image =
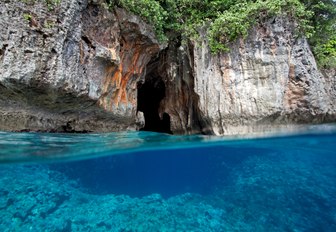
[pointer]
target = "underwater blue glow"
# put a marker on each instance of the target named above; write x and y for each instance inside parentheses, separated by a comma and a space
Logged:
(142, 181)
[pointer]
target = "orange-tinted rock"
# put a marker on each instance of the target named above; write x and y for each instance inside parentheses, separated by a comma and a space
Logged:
(81, 67)
(80, 74)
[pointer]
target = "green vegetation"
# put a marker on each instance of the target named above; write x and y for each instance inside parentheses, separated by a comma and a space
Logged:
(230, 19)
(27, 17)
(236, 21)
(323, 39)
(51, 4)
(48, 24)
(150, 10)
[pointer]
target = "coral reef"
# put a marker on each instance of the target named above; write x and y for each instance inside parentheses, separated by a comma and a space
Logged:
(263, 188)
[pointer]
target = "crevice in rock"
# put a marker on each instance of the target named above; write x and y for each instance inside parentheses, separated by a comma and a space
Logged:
(2, 51)
(166, 95)
(88, 41)
(176, 68)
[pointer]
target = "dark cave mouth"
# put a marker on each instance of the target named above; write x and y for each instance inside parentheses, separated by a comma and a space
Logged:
(150, 94)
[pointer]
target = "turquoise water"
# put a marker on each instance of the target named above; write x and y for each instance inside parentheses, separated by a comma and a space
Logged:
(142, 181)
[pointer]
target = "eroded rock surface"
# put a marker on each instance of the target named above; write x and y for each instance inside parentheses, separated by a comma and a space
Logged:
(271, 78)
(71, 68)
(81, 67)
(175, 70)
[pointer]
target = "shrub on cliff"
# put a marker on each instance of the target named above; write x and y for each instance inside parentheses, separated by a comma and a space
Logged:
(236, 21)
(51, 4)
(323, 39)
(231, 19)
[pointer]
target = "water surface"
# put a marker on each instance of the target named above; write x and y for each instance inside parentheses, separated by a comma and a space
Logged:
(142, 181)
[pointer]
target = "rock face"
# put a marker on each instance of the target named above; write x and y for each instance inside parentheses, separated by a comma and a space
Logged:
(77, 67)
(267, 81)
(270, 78)
(175, 69)
(73, 67)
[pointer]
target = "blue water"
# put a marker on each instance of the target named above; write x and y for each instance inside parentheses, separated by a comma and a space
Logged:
(142, 181)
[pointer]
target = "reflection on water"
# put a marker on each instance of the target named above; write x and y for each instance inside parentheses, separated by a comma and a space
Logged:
(39, 147)
(20, 147)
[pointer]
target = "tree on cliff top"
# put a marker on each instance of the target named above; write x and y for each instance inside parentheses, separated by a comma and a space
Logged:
(323, 39)
(231, 19)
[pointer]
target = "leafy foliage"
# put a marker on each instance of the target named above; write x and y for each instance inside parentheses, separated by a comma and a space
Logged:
(27, 17)
(230, 19)
(237, 20)
(51, 4)
(323, 39)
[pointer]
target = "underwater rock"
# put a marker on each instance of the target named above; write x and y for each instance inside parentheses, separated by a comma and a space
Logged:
(296, 194)
(39, 194)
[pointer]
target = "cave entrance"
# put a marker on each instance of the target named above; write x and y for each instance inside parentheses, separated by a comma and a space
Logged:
(150, 94)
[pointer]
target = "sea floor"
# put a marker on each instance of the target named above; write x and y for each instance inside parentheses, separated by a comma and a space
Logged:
(279, 190)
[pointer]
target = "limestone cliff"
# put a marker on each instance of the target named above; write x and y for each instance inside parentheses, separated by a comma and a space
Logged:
(79, 67)
(267, 79)
(71, 68)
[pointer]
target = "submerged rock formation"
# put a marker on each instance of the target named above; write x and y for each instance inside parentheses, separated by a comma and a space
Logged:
(78, 67)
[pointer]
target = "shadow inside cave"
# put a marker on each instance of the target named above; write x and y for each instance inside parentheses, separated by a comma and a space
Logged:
(150, 94)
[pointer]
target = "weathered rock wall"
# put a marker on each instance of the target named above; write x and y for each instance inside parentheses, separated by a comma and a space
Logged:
(181, 103)
(80, 67)
(71, 68)
(268, 79)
